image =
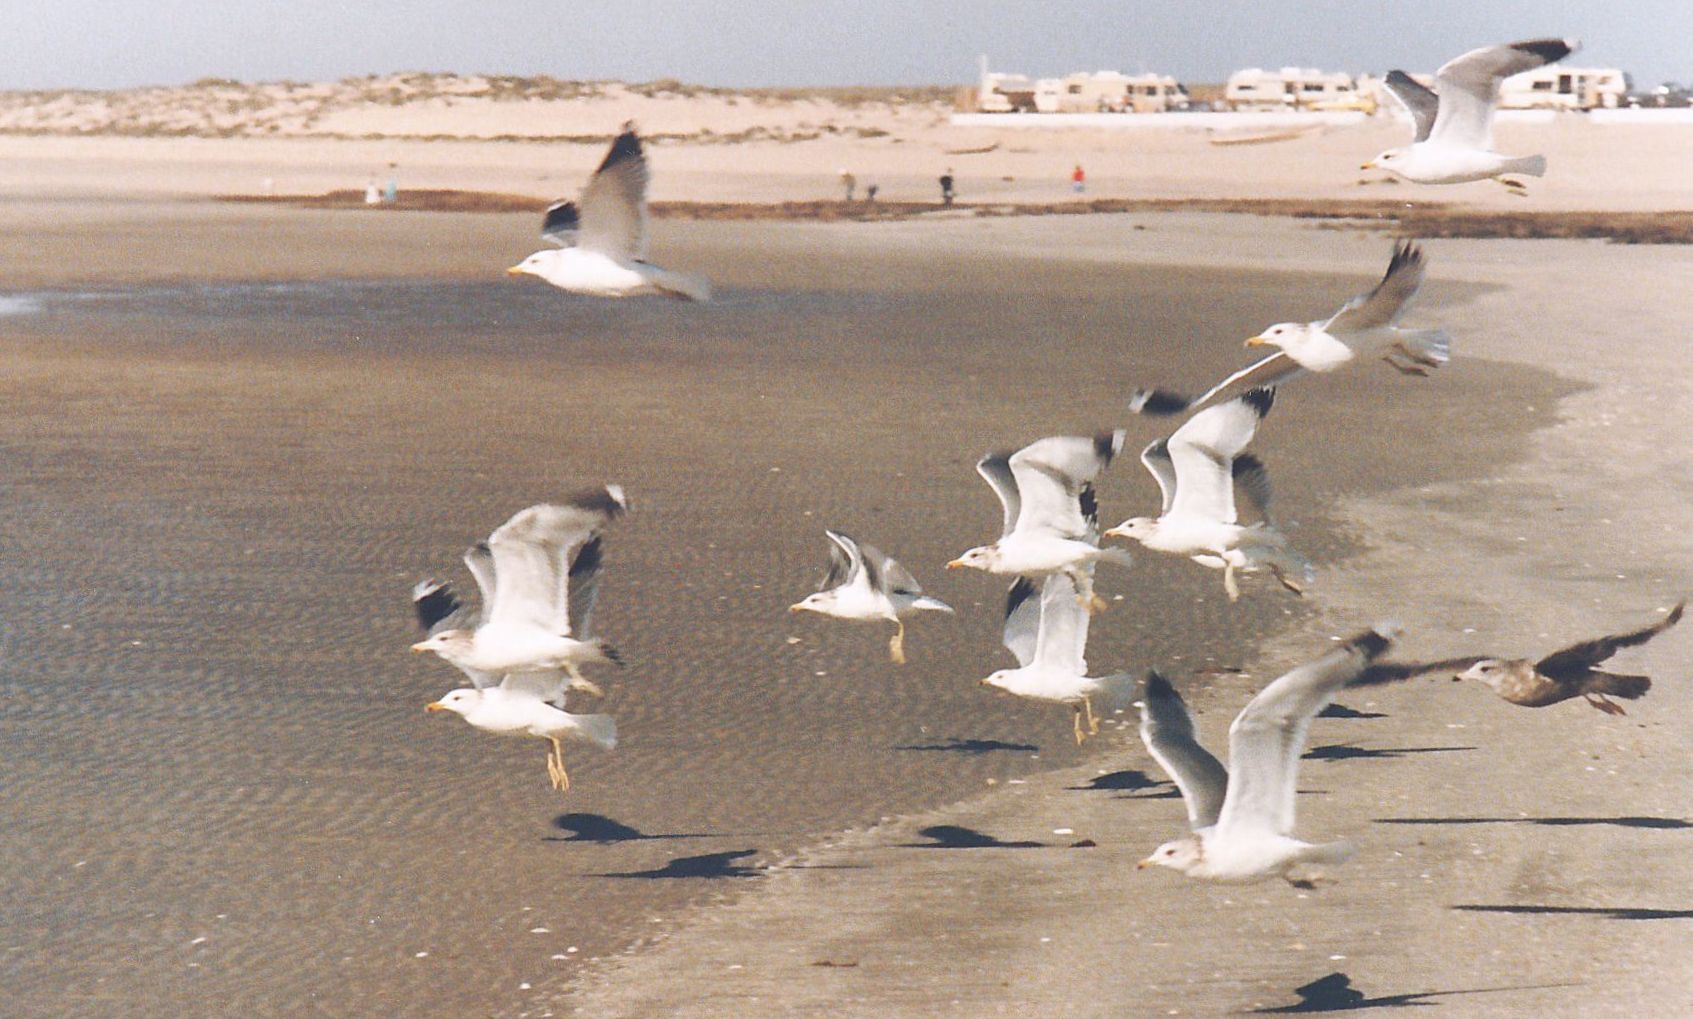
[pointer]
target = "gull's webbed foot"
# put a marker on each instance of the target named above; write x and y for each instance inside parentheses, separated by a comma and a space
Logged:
(1605, 704)
(1405, 369)
(1288, 582)
(1514, 186)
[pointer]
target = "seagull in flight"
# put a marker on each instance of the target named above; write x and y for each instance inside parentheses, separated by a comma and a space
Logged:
(1242, 816)
(1454, 121)
(1366, 325)
(603, 240)
(863, 583)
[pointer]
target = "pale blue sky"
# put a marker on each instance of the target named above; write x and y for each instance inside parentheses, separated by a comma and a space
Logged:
(115, 43)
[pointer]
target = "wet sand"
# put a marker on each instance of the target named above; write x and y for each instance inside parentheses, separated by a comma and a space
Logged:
(214, 732)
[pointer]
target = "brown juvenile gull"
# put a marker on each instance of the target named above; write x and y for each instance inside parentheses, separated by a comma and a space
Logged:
(1367, 324)
(1571, 672)
(1453, 143)
(1197, 469)
(863, 583)
(603, 246)
(1243, 816)
(539, 579)
(1049, 522)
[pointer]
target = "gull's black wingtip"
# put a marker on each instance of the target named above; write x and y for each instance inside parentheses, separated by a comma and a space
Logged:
(1547, 50)
(1021, 591)
(433, 601)
(1158, 402)
(1106, 445)
(624, 148)
(1260, 400)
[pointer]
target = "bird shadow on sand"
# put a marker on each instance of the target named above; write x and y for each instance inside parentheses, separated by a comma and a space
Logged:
(1342, 711)
(954, 745)
(1348, 752)
(1130, 781)
(605, 831)
(1608, 912)
(708, 865)
(1335, 993)
(1551, 822)
(952, 836)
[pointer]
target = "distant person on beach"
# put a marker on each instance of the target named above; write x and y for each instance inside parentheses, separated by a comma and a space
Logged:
(1078, 180)
(870, 193)
(946, 187)
(392, 193)
(371, 195)
(849, 182)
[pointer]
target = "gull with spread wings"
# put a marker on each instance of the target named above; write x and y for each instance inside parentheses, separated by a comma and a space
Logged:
(863, 583)
(1242, 816)
(1050, 515)
(539, 578)
(603, 239)
(1367, 325)
(1454, 121)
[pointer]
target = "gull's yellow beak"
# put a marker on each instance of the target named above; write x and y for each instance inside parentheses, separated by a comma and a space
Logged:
(956, 564)
(435, 706)
(1142, 865)
(421, 646)
(1258, 341)
(1113, 532)
(516, 270)
(1371, 165)
(797, 607)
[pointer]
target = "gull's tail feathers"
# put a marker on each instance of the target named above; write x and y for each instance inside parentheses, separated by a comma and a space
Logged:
(1431, 345)
(1615, 685)
(1329, 853)
(928, 604)
(1533, 166)
(600, 730)
(679, 285)
(1116, 692)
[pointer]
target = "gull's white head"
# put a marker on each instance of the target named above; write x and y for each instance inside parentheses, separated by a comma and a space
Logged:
(822, 602)
(1392, 160)
(1491, 671)
(538, 264)
(459, 702)
(1001, 680)
(1182, 855)
(1286, 335)
(1138, 528)
(982, 557)
(453, 645)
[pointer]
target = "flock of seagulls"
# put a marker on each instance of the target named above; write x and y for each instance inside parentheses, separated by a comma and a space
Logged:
(538, 573)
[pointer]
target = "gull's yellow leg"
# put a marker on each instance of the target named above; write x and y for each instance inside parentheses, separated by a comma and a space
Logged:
(555, 766)
(1076, 723)
(1230, 588)
(1093, 720)
(581, 682)
(896, 647)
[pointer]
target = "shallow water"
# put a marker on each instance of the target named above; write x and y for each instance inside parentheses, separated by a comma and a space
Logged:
(222, 791)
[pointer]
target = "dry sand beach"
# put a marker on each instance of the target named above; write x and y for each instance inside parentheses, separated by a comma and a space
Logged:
(236, 434)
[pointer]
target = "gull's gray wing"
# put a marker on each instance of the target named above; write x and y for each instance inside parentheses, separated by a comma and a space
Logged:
(479, 559)
(546, 685)
(439, 609)
(1419, 101)
(1266, 373)
(845, 561)
(1156, 457)
(995, 469)
(1577, 659)
(1022, 620)
(894, 578)
(1268, 736)
(1383, 304)
(1051, 474)
(1253, 478)
(1166, 728)
(1382, 673)
(561, 224)
(1061, 642)
(532, 554)
(1203, 450)
(614, 204)
(1468, 87)
(583, 581)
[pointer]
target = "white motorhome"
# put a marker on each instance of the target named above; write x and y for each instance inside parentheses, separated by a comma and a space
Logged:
(1005, 93)
(1288, 88)
(1557, 87)
(1116, 92)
